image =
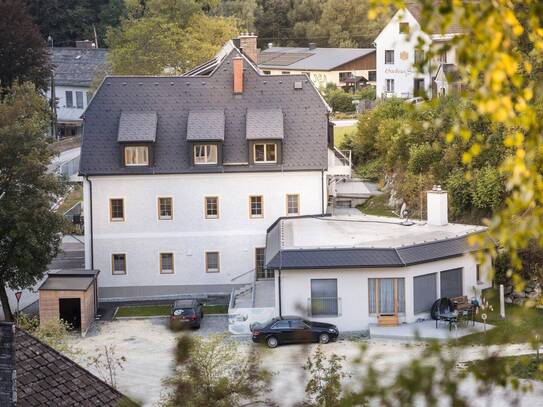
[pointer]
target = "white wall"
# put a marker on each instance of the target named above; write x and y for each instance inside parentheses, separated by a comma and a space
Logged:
(65, 113)
(352, 285)
(142, 236)
(321, 78)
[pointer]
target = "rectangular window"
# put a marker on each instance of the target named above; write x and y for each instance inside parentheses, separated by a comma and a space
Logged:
(265, 153)
(256, 206)
(165, 208)
(261, 271)
(116, 210)
(404, 28)
(136, 155)
(205, 154)
(390, 85)
(478, 274)
(372, 76)
(389, 56)
(285, 73)
(118, 264)
(345, 75)
(212, 262)
(324, 300)
(166, 263)
(419, 56)
(69, 98)
(293, 204)
(443, 56)
(386, 295)
(79, 99)
(211, 207)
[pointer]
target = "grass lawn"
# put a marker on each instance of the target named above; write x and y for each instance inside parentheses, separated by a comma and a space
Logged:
(75, 195)
(159, 310)
(341, 132)
(520, 324)
(376, 205)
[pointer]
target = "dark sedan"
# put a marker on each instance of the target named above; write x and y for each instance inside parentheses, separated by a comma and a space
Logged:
(282, 330)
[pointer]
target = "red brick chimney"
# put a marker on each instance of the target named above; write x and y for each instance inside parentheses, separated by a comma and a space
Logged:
(247, 43)
(237, 63)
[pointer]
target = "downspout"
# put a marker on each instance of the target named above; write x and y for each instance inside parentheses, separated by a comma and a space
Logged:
(90, 223)
(279, 284)
(322, 192)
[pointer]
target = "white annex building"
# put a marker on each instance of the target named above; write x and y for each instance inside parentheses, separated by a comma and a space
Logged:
(397, 56)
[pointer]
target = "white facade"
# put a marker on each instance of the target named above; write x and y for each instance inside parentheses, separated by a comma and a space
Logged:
(321, 78)
(234, 234)
(353, 290)
(69, 112)
(396, 77)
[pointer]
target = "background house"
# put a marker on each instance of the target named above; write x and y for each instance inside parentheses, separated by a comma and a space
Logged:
(348, 68)
(76, 72)
(397, 56)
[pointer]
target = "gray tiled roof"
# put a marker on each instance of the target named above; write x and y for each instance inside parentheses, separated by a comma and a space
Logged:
(47, 378)
(359, 257)
(206, 125)
(264, 124)
(318, 59)
(78, 66)
(172, 98)
(137, 126)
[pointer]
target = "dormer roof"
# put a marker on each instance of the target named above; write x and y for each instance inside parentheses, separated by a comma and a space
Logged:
(264, 124)
(137, 127)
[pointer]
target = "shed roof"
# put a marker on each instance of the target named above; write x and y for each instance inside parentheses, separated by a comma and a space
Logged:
(318, 59)
(137, 127)
(66, 283)
(264, 124)
(205, 125)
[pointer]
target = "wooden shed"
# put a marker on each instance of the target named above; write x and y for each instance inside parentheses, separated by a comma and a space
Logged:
(70, 295)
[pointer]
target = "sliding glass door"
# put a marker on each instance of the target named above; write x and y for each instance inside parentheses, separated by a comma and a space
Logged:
(386, 296)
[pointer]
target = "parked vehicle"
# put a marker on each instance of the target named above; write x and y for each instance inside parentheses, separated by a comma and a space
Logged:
(186, 313)
(293, 329)
(415, 101)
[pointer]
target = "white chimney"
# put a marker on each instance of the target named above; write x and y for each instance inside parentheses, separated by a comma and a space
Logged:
(437, 206)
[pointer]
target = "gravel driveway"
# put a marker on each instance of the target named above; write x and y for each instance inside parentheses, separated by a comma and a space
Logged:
(148, 347)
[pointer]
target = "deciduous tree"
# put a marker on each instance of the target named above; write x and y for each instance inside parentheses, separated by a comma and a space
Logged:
(29, 230)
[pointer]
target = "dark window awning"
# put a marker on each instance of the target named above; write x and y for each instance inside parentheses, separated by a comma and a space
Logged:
(264, 124)
(137, 127)
(206, 125)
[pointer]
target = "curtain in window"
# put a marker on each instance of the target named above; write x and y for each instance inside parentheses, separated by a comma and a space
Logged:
(372, 284)
(401, 294)
(386, 296)
(324, 299)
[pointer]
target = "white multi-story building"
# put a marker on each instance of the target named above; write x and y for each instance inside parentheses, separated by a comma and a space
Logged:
(398, 55)
(184, 175)
(76, 71)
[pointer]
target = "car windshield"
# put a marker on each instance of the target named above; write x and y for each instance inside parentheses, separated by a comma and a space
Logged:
(184, 311)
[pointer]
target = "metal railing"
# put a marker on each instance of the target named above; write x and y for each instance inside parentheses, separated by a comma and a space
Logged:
(344, 156)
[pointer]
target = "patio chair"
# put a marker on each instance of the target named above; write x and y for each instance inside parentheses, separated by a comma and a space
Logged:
(443, 310)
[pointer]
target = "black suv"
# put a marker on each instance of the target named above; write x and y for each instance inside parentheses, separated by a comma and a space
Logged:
(293, 330)
(186, 313)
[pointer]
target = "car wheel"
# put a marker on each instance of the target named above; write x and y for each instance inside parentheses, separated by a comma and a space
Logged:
(324, 338)
(272, 342)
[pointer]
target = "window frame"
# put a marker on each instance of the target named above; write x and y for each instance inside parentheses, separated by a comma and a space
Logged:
(70, 99)
(389, 52)
(113, 264)
(159, 208)
(206, 215)
(207, 269)
(387, 87)
(377, 306)
(127, 147)
(404, 24)
(337, 298)
(79, 98)
(196, 146)
(345, 75)
(371, 74)
(261, 215)
(265, 144)
(161, 263)
(111, 218)
(297, 213)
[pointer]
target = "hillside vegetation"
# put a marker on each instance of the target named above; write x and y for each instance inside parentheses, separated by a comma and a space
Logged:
(402, 146)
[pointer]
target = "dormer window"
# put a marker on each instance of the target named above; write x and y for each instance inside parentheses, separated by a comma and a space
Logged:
(205, 154)
(136, 155)
(264, 132)
(265, 153)
(404, 28)
(137, 136)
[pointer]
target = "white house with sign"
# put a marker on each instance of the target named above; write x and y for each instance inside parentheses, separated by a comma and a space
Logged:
(397, 56)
